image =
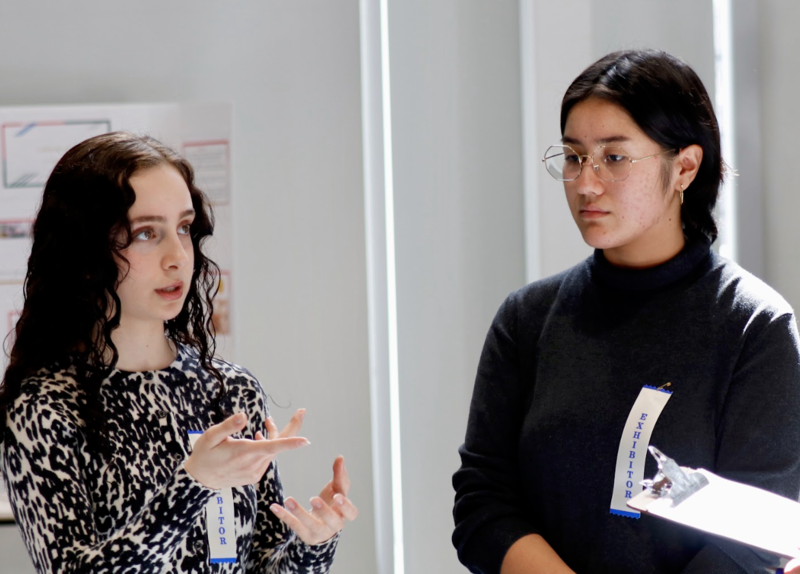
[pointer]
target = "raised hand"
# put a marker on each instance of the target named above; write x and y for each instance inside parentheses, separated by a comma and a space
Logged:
(328, 511)
(218, 460)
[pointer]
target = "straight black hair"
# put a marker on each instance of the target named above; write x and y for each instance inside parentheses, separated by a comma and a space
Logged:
(666, 99)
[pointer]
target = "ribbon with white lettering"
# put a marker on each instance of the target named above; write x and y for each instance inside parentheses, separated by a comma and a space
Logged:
(219, 521)
(629, 471)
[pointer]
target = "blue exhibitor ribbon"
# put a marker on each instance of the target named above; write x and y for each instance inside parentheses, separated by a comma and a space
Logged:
(629, 470)
(220, 522)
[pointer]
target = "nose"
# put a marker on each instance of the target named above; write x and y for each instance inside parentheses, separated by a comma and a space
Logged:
(175, 252)
(588, 182)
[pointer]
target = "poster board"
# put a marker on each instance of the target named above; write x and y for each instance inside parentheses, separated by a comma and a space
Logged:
(33, 139)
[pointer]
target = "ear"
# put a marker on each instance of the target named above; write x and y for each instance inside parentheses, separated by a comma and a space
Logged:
(687, 163)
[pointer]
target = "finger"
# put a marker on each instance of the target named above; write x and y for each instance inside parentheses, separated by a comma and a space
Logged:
(345, 507)
(270, 448)
(341, 481)
(295, 423)
(259, 436)
(290, 520)
(326, 514)
(219, 432)
(272, 428)
(315, 525)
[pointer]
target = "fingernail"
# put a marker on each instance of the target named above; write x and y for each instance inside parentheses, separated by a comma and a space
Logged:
(275, 508)
(339, 499)
(302, 414)
(290, 504)
(305, 442)
(239, 418)
(316, 503)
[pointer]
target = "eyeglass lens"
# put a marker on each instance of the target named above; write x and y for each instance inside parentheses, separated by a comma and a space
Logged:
(610, 163)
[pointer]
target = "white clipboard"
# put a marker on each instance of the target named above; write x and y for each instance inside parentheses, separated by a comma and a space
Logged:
(733, 510)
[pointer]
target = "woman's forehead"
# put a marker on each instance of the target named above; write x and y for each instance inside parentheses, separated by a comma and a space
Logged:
(157, 189)
(594, 122)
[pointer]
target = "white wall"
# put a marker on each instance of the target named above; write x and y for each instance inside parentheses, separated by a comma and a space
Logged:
(291, 70)
(780, 83)
(555, 62)
(456, 115)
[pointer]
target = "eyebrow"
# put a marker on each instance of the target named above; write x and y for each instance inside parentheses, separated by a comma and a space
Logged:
(601, 141)
(159, 218)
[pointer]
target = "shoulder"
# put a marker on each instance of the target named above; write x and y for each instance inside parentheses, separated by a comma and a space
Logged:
(242, 392)
(538, 296)
(188, 361)
(524, 311)
(744, 293)
(243, 389)
(49, 399)
(236, 374)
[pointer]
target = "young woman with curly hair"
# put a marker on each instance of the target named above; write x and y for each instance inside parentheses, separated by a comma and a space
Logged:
(126, 445)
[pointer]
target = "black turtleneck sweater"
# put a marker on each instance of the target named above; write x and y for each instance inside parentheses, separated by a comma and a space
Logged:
(563, 363)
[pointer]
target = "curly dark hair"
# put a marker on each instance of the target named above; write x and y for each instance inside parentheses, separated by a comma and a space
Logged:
(668, 101)
(70, 292)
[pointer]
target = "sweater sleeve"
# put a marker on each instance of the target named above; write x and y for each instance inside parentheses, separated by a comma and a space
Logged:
(489, 508)
(758, 437)
(276, 549)
(53, 507)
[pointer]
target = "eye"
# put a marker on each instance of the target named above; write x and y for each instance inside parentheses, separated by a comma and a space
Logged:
(145, 234)
(572, 158)
(185, 229)
(614, 155)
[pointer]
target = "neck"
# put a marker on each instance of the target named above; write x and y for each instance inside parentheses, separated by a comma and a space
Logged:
(637, 259)
(142, 347)
(650, 250)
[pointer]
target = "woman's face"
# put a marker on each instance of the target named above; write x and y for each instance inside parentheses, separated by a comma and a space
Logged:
(636, 221)
(161, 255)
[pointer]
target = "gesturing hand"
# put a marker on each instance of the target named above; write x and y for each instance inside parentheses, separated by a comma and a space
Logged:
(328, 511)
(218, 460)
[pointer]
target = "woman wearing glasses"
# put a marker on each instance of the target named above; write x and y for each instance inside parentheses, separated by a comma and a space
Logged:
(654, 339)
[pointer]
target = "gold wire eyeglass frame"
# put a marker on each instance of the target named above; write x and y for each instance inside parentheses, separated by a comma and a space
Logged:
(595, 166)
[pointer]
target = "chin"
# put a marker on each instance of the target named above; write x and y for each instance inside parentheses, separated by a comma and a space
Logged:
(599, 240)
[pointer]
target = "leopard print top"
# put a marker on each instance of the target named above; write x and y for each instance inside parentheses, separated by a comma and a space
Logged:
(139, 510)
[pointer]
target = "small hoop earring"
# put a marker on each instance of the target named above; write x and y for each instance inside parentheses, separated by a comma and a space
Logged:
(681, 193)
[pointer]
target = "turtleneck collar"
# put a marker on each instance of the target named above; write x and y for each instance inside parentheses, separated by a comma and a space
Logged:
(693, 254)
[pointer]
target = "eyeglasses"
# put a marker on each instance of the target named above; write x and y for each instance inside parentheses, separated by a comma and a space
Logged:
(609, 163)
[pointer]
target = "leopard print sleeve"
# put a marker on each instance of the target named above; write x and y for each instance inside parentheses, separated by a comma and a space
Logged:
(138, 511)
(45, 465)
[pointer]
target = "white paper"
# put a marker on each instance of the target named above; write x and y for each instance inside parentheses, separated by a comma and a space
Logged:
(733, 510)
(211, 163)
(31, 149)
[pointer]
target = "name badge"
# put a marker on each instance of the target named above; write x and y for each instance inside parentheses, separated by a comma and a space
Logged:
(220, 524)
(629, 471)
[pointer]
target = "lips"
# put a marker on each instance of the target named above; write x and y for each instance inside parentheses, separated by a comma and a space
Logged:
(592, 212)
(171, 292)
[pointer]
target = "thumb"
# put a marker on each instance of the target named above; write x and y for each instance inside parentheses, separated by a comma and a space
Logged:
(219, 432)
